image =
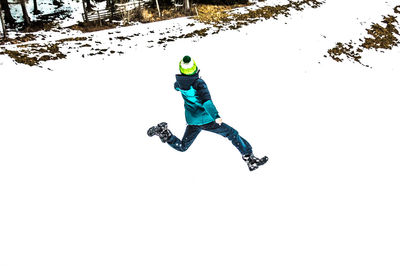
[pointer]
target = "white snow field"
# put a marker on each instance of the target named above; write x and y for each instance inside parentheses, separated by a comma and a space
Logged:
(81, 183)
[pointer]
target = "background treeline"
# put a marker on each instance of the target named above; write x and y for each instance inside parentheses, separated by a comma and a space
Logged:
(11, 22)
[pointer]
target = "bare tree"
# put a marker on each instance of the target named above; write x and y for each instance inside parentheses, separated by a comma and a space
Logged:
(3, 23)
(35, 8)
(27, 19)
(89, 6)
(112, 9)
(186, 5)
(7, 13)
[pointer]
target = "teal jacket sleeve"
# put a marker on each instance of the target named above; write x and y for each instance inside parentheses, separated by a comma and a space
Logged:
(205, 98)
(176, 86)
(210, 109)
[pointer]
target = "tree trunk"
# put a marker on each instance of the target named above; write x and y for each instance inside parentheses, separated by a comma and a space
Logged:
(27, 19)
(112, 9)
(35, 8)
(7, 13)
(89, 6)
(158, 8)
(186, 5)
(2, 23)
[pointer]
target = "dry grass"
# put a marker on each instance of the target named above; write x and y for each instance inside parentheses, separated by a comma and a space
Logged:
(33, 53)
(93, 26)
(209, 14)
(382, 36)
(346, 49)
(223, 17)
(20, 39)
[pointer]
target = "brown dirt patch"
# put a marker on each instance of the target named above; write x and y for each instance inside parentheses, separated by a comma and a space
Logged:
(381, 36)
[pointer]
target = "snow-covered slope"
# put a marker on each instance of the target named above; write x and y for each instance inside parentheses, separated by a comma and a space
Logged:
(82, 184)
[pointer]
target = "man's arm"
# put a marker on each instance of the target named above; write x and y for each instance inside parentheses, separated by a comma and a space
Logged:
(176, 86)
(205, 100)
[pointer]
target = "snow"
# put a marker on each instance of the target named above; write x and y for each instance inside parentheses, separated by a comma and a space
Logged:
(82, 184)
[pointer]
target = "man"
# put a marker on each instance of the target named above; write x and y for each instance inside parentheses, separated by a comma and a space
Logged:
(201, 114)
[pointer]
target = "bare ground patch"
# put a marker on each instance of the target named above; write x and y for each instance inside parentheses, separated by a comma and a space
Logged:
(380, 36)
(33, 53)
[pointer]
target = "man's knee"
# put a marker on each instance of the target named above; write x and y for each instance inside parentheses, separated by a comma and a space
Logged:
(181, 147)
(232, 134)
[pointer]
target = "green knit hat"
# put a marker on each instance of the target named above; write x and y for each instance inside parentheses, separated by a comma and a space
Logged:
(187, 66)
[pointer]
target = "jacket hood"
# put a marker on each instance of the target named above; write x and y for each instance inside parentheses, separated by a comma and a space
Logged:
(185, 81)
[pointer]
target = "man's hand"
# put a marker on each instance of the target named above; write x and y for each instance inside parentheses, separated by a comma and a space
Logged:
(218, 121)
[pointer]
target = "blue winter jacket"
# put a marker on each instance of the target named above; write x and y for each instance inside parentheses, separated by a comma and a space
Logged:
(199, 109)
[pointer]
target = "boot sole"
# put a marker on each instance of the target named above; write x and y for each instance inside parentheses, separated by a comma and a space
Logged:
(151, 131)
(264, 160)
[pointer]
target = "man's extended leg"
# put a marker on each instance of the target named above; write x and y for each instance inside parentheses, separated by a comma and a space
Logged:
(190, 135)
(226, 131)
(240, 143)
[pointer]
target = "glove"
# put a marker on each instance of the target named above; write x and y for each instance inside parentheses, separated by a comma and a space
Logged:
(218, 121)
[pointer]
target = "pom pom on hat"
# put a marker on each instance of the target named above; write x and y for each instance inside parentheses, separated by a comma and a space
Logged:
(187, 66)
(186, 59)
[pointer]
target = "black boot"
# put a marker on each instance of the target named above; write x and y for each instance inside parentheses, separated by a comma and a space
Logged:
(160, 130)
(253, 162)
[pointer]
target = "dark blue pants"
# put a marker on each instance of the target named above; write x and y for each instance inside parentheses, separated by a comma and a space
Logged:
(224, 130)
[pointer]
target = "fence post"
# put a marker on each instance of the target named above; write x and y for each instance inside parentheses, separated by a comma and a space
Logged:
(84, 11)
(127, 10)
(98, 16)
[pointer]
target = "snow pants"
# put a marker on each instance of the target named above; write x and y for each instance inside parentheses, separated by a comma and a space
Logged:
(192, 131)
